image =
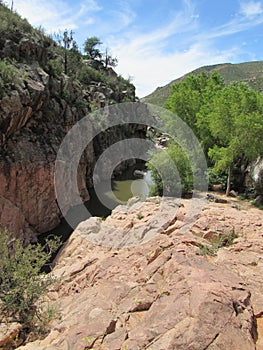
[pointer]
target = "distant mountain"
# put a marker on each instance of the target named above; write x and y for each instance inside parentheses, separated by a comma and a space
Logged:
(250, 72)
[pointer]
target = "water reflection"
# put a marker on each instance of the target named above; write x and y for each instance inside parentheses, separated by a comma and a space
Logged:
(101, 204)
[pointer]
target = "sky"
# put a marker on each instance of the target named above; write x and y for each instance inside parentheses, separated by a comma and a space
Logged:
(157, 41)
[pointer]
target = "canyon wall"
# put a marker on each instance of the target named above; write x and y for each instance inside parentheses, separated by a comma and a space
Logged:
(34, 121)
(37, 109)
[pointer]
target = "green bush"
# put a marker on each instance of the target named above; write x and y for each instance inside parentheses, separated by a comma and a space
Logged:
(217, 178)
(55, 67)
(222, 240)
(88, 74)
(9, 75)
(163, 165)
(22, 284)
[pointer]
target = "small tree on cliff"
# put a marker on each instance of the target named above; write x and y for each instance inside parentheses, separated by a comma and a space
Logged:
(93, 53)
(109, 61)
(67, 41)
(91, 48)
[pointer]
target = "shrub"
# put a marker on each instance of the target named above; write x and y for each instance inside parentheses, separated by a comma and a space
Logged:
(12, 26)
(22, 284)
(54, 67)
(9, 75)
(167, 163)
(217, 178)
(222, 240)
(88, 74)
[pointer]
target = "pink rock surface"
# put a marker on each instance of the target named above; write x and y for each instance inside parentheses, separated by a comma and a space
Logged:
(160, 294)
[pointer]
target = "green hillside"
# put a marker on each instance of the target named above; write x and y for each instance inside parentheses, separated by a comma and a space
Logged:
(250, 72)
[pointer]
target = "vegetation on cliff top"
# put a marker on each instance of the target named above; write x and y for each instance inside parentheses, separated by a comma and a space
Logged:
(59, 54)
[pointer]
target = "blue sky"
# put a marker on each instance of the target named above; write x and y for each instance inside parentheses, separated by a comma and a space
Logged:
(157, 41)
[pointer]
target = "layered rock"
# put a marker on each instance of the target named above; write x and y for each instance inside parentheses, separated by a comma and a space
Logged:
(34, 120)
(37, 108)
(159, 292)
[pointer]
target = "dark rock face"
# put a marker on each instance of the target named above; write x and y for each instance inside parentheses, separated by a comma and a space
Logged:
(36, 112)
(33, 121)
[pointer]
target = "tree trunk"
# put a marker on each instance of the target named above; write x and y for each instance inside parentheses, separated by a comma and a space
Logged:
(228, 180)
(66, 62)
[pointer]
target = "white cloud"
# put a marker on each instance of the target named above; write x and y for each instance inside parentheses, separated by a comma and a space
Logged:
(151, 71)
(56, 15)
(251, 8)
(152, 42)
(243, 21)
(124, 15)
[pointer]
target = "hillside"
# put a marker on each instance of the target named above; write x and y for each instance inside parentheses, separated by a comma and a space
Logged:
(249, 72)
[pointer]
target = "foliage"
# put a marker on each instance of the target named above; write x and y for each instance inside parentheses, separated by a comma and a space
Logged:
(88, 74)
(189, 97)
(216, 178)
(9, 75)
(21, 282)
(162, 165)
(67, 41)
(140, 215)
(226, 119)
(95, 55)
(234, 118)
(12, 25)
(222, 240)
(91, 49)
(54, 67)
(59, 54)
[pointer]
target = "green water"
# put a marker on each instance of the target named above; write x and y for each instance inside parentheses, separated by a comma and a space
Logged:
(125, 187)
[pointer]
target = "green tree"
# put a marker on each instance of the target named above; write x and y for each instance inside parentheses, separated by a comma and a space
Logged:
(235, 121)
(226, 119)
(91, 48)
(188, 96)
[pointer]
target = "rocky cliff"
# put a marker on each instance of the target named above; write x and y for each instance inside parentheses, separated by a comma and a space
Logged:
(166, 288)
(38, 105)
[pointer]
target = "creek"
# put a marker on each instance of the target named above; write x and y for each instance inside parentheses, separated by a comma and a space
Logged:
(135, 181)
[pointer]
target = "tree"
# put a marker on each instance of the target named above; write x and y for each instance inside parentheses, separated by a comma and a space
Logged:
(67, 41)
(109, 61)
(226, 119)
(93, 53)
(235, 121)
(90, 48)
(188, 96)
